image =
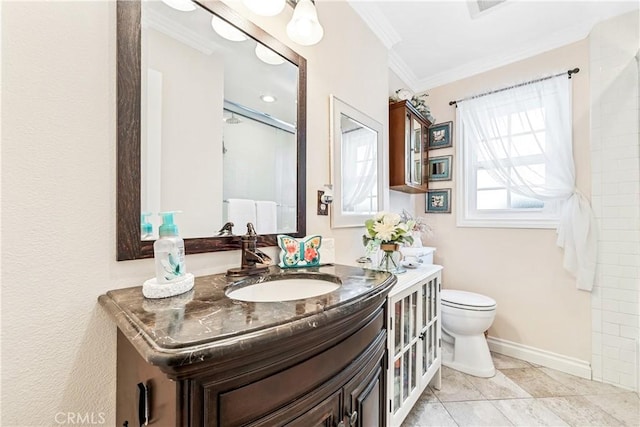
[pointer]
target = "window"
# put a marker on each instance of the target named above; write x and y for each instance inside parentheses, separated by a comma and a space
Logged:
(504, 162)
(359, 168)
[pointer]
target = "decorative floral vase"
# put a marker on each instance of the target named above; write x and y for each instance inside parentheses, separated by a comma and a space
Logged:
(390, 260)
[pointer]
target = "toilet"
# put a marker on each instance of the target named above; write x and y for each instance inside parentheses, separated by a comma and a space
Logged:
(465, 317)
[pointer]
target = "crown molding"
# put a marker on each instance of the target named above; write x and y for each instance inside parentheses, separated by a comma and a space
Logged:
(550, 42)
(169, 27)
(377, 22)
(402, 70)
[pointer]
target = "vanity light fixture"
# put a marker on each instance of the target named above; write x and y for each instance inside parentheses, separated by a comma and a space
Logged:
(181, 5)
(268, 56)
(265, 7)
(304, 27)
(226, 30)
(268, 98)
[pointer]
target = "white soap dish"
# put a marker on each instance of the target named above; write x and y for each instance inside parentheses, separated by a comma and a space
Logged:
(152, 289)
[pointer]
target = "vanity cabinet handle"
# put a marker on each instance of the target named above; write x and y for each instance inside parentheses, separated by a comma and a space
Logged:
(353, 418)
(143, 404)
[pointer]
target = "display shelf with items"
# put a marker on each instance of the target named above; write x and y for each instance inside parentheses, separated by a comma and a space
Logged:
(408, 155)
(414, 339)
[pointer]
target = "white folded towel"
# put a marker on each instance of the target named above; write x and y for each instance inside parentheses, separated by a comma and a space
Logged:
(266, 217)
(240, 212)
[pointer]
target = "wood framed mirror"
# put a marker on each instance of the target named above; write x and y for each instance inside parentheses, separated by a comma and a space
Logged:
(194, 175)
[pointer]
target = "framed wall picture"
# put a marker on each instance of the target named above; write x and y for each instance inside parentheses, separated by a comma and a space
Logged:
(441, 135)
(438, 201)
(440, 168)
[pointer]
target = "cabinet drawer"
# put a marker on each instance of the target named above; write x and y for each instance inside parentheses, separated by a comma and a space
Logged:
(257, 399)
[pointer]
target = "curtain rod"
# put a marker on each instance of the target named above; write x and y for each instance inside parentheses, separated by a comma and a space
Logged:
(570, 72)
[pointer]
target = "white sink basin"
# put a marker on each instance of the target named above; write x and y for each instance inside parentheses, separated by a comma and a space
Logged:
(285, 289)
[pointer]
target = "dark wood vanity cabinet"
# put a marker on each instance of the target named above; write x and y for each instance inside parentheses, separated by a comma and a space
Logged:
(333, 377)
(408, 154)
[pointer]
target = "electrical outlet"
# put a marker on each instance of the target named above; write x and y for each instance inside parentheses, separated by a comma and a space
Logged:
(323, 208)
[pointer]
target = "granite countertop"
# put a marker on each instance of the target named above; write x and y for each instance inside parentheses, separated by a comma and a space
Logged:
(204, 323)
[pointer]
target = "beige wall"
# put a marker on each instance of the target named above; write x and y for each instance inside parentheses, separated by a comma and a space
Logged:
(58, 191)
(538, 304)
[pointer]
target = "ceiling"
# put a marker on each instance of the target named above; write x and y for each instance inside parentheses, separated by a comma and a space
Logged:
(432, 43)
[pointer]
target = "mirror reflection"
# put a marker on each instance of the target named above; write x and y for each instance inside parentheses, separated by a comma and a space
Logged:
(356, 165)
(218, 126)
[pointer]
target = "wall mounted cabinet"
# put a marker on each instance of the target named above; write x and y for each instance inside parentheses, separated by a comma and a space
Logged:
(408, 154)
(414, 340)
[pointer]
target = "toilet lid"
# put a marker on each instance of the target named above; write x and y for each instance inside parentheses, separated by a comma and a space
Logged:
(462, 299)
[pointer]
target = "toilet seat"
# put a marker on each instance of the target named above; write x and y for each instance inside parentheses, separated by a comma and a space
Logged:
(466, 300)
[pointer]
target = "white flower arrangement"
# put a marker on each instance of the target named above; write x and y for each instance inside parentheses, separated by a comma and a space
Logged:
(387, 228)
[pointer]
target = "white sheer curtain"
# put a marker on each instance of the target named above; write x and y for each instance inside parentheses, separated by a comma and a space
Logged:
(541, 105)
(359, 168)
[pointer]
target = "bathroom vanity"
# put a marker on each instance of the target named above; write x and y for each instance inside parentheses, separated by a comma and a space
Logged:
(204, 359)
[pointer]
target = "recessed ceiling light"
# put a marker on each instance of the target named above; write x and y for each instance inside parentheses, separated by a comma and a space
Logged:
(268, 98)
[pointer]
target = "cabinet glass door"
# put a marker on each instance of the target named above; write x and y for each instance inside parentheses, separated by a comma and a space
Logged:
(406, 346)
(430, 326)
(413, 150)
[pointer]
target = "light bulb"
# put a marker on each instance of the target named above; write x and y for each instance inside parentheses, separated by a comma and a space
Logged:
(304, 27)
(265, 7)
(267, 55)
(226, 30)
(181, 5)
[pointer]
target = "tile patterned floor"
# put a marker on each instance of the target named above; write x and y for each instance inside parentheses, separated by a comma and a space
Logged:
(523, 394)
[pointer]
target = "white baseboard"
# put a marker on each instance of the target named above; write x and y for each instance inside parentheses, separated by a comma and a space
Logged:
(548, 359)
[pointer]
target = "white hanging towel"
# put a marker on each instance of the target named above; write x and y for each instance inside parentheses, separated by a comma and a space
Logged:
(240, 212)
(266, 217)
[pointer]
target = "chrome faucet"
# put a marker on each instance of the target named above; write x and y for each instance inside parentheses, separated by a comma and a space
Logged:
(253, 260)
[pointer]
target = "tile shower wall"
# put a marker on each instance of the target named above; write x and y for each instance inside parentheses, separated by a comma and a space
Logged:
(615, 141)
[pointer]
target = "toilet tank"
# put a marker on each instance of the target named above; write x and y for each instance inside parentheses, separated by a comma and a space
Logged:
(425, 253)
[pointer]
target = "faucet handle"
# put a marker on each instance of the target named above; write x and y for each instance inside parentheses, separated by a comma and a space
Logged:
(226, 230)
(250, 230)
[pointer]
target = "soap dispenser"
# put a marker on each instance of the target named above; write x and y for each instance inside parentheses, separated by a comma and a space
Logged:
(168, 251)
(146, 229)
(171, 278)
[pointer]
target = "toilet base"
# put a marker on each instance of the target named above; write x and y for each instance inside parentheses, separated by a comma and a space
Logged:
(469, 354)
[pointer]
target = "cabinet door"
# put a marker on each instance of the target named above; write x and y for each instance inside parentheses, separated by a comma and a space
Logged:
(430, 328)
(325, 414)
(414, 146)
(404, 355)
(365, 394)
